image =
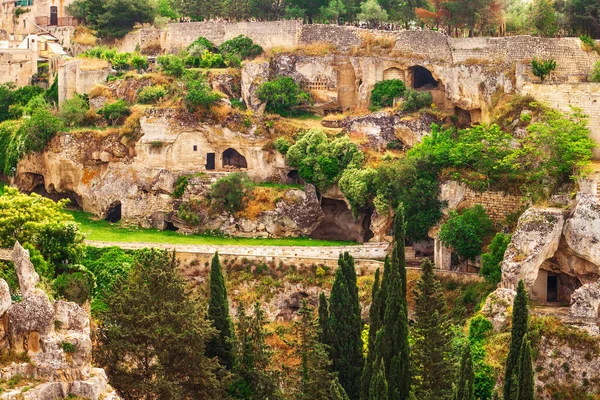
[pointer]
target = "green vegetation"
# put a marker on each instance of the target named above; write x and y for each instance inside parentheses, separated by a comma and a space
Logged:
(74, 111)
(464, 233)
(282, 95)
(542, 68)
(520, 321)
(115, 112)
(119, 61)
(228, 192)
(464, 389)
(414, 100)
(282, 145)
(151, 94)
(485, 378)
(101, 230)
(490, 262)
(384, 93)
(171, 65)
(199, 94)
(241, 47)
(595, 74)
(15, 97)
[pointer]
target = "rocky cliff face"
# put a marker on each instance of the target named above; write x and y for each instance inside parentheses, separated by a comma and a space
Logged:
(53, 338)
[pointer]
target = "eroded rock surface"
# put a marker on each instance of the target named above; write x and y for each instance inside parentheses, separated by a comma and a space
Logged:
(497, 306)
(582, 229)
(585, 301)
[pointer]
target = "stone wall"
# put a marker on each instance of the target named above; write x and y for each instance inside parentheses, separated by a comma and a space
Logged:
(498, 205)
(585, 96)
(17, 66)
(80, 76)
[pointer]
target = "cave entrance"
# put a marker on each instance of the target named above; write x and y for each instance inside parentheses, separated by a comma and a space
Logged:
(293, 178)
(210, 161)
(552, 289)
(231, 158)
(113, 214)
(423, 78)
(338, 223)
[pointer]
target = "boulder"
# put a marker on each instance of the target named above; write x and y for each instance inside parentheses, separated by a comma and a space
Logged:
(585, 301)
(71, 317)
(535, 240)
(28, 278)
(582, 230)
(254, 74)
(496, 307)
(35, 314)
(5, 299)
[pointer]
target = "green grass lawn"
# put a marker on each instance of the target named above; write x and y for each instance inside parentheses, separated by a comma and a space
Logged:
(104, 231)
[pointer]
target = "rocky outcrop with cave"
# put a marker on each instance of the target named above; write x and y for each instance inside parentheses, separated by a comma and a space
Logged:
(47, 342)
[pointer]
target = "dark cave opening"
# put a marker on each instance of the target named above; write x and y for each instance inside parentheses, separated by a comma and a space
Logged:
(113, 214)
(232, 158)
(423, 79)
(339, 223)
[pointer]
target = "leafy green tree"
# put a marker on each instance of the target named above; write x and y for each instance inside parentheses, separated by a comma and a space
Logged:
(584, 16)
(199, 93)
(542, 68)
(113, 18)
(372, 12)
(466, 377)
(240, 46)
(153, 335)
(164, 9)
(254, 378)
(379, 386)
(220, 346)
(321, 160)
(316, 382)
(11, 96)
(375, 322)
(595, 74)
(415, 100)
(384, 93)
(115, 112)
(171, 65)
(432, 337)
(333, 11)
(282, 95)
(41, 126)
(309, 8)
(344, 327)
(464, 233)
(485, 376)
(228, 192)
(525, 381)
(490, 262)
(520, 316)
(73, 111)
(543, 17)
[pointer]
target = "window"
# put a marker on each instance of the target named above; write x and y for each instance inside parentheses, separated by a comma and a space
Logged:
(195, 148)
(23, 3)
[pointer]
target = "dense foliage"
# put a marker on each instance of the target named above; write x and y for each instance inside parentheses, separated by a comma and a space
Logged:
(282, 95)
(384, 93)
(595, 74)
(241, 47)
(227, 194)
(542, 68)
(520, 322)
(490, 262)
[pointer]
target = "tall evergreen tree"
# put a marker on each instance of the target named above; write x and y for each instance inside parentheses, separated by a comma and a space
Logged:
(254, 378)
(344, 327)
(323, 317)
(394, 340)
(520, 317)
(466, 377)
(526, 384)
(431, 350)
(379, 385)
(375, 322)
(316, 381)
(220, 346)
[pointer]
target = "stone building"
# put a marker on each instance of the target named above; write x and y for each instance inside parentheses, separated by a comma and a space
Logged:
(22, 17)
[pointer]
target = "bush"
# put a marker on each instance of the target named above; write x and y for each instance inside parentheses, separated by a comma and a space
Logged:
(151, 94)
(74, 287)
(199, 94)
(115, 112)
(414, 101)
(588, 42)
(211, 60)
(595, 74)
(242, 47)
(542, 68)
(490, 262)
(282, 95)
(385, 92)
(138, 61)
(228, 192)
(171, 65)
(282, 145)
(73, 111)
(464, 233)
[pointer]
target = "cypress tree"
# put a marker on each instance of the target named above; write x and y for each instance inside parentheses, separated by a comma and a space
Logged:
(323, 317)
(526, 384)
(221, 346)
(399, 252)
(466, 377)
(432, 337)
(519, 329)
(374, 326)
(379, 386)
(344, 326)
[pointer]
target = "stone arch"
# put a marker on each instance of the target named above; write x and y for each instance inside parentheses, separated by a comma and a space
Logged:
(232, 158)
(422, 78)
(393, 73)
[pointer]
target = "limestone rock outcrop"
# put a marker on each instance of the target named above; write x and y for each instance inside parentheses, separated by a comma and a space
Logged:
(254, 74)
(582, 229)
(585, 302)
(55, 336)
(497, 306)
(535, 240)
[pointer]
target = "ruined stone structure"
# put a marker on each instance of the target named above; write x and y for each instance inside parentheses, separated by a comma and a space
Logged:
(17, 66)
(40, 327)
(39, 14)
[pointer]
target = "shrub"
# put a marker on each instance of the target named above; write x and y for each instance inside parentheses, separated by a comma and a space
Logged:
(282, 145)
(171, 65)
(138, 61)
(180, 186)
(151, 94)
(233, 61)
(198, 46)
(73, 287)
(588, 42)
(491, 261)
(73, 111)
(385, 92)
(199, 94)
(542, 68)
(595, 74)
(68, 347)
(241, 46)
(414, 101)
(211, 60)
(228, 192)
(115, 112)
(282, 95)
